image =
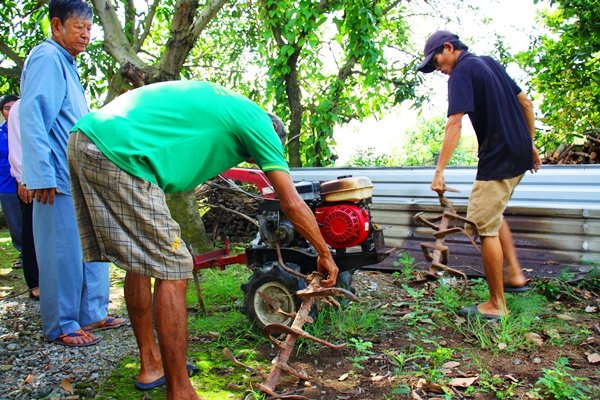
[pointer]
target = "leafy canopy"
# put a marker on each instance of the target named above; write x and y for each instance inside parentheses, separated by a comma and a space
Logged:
(565, 68)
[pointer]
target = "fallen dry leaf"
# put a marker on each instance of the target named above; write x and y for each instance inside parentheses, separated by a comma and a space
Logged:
(591, 309)
(28, 379)
(565, 317)
(433, 387)
(502, 346)
(451, 364)
(552, 333)
(586, 294)
(67, 386)
(463, 382)
(377, 378)
(594, 358)
(534, 338)
(415, 396)
(343, 377)
(511, 378)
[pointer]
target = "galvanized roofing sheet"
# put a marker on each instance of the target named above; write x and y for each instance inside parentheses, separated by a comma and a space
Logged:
(553, 186)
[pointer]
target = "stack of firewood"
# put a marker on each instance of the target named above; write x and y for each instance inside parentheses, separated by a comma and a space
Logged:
(587, 152)
(229, 211)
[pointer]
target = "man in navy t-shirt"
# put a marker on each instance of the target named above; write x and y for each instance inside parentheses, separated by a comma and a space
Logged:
(502, 116)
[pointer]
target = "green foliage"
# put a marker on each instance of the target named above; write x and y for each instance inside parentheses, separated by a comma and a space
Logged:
(506, 335)
(326, 66)
(424, 144)
(368, 158)
(362, 352)
(559, 287)
(407, 263)
(559, 384)
(343, 324)
(25, 25)
(565, 68)
(494, 384)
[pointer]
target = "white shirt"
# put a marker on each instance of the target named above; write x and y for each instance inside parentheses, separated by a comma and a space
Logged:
(15, 154)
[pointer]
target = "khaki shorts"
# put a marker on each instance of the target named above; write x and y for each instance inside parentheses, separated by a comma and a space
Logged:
(123, 219)
(487, 203)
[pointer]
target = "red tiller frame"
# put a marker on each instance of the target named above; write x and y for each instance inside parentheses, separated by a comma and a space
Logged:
(255, 176)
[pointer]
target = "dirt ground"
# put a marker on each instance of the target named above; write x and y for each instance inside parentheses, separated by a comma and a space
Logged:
(500, 375)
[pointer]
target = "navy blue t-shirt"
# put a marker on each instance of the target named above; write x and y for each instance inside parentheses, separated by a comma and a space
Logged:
(480, 87)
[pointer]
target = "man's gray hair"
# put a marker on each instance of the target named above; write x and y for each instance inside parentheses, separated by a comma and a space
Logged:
(279, 128)
(65, 9)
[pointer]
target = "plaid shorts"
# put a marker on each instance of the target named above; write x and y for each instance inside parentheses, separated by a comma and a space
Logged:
(487, 203)
(123, 219)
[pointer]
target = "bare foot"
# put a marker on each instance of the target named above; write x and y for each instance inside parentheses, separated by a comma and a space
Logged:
(488, 308)
(515, 280)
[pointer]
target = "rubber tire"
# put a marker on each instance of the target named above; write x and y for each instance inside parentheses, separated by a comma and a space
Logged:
(280, 285)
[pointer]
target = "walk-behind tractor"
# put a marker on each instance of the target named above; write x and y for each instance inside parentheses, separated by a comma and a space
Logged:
(285, 287)
(279, 256)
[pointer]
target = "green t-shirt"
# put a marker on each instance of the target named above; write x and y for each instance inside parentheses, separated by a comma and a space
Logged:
(179, 134)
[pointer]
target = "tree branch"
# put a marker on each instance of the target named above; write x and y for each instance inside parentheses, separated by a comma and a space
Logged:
(4, 48)
(147, 24)
(183, 37)
(206, 15)
(11, 72)
(115, 41)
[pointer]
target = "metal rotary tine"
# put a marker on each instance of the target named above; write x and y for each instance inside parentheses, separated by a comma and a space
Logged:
(274, 395)
(326, 292)
(314, 292)
(278, 328)
(437, 253)
(227, 353)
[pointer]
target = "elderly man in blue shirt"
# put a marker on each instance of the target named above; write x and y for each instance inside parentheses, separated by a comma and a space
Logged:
(73, 294)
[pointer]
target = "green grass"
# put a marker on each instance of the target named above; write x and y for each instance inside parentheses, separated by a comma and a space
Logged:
(428, 321)
(11, 280)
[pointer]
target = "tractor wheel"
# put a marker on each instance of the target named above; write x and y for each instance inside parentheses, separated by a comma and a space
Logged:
(280, 286)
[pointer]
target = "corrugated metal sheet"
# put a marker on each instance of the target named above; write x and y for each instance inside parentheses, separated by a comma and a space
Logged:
(554, 214)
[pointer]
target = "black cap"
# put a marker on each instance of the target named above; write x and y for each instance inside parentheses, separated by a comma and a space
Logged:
(434, 42)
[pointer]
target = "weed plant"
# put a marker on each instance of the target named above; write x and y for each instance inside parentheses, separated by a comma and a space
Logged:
(362, 349)
(559, 384)
(342, 324)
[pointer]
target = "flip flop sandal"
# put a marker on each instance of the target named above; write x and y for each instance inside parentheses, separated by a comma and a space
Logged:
(192, 369)
(106, 323)
(79, 333)
(516, 289)
(473, 311)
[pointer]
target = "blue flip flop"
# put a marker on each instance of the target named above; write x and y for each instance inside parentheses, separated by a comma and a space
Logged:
(192, 369)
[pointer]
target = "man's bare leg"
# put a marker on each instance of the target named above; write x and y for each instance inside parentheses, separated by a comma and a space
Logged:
(513, 275)
(491, 254)
(170, 315)
(138, 296)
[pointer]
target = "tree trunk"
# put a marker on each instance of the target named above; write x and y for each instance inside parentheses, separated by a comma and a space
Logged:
(124, 45)
(184, 210)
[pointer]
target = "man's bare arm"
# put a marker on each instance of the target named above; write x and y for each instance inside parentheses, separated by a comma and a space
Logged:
(527, 108)
(451, 139)
(304, 221)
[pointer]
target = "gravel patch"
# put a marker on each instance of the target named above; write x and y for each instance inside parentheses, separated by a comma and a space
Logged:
(31, 368)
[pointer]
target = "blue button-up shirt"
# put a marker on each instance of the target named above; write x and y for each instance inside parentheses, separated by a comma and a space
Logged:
(7, 182)
(52, 100)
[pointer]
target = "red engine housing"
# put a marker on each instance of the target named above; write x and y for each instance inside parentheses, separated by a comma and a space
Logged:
(343, 225)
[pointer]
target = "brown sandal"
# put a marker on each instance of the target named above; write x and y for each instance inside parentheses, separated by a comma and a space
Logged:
(63, 339)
